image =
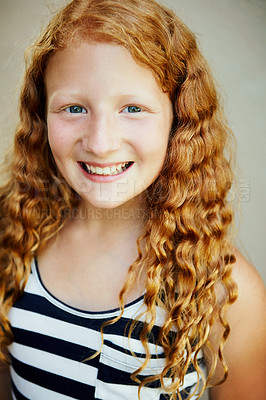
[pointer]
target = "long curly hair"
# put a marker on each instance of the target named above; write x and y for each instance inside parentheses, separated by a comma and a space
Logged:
(186, 249)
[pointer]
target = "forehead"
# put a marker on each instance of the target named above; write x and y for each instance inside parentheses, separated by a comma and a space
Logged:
(79, 49)
(98, 64)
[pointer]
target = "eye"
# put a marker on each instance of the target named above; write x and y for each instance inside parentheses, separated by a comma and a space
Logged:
(76, 110)
(132, 109)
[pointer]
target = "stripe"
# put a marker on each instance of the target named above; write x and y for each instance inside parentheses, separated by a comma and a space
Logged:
(16, 395)
(117, 392)
(53, 364)
(129, 363)
(35, 383)
(122, 348)
(40, 308)
(184, 394)
(32, 391)
(132, 344)
(59, 329)
(53, 345)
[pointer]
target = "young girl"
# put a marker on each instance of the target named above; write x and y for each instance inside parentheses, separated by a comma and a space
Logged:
(117, 274)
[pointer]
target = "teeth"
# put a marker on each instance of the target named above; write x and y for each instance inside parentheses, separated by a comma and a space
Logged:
(112, 170)
(106, 171)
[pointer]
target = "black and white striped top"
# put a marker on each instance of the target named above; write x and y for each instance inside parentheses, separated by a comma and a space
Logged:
(53, 341)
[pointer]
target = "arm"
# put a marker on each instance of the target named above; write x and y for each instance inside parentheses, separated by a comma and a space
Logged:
(5, 392)
(245, 349)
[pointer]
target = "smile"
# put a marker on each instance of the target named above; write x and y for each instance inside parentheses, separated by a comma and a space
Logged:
(105, 171)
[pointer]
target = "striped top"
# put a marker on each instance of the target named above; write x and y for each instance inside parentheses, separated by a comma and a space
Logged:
(53, 341)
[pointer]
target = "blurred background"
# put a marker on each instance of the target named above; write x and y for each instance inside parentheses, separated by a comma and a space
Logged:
(232, 36)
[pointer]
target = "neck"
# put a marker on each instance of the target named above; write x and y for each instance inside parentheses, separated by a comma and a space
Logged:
(122, 220)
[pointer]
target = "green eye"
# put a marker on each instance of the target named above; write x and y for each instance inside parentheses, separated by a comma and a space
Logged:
(133, 109)
(76, 109)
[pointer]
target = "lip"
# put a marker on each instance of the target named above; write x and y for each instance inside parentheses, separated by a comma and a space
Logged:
(103, 178)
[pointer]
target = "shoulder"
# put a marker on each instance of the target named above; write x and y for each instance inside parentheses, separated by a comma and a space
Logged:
(246, 275)
(245, 349)
(248, 312)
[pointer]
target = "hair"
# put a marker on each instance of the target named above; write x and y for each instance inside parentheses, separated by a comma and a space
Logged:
(187, 251)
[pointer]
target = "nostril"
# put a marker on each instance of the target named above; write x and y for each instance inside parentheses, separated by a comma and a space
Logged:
(100, 142)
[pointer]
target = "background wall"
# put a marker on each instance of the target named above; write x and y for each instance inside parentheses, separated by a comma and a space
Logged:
(232, 35)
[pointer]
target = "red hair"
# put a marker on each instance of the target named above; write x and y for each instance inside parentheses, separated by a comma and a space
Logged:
(186, 245)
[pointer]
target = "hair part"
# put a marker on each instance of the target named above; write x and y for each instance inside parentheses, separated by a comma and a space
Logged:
(186, 242)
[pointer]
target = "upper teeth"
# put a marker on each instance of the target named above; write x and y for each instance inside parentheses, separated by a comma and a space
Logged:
(112, 170)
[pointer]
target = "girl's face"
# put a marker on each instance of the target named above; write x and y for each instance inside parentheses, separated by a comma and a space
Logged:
(108, 122)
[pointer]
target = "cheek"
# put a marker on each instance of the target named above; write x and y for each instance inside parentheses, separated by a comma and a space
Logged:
(152, 143)
(59, 135)
(53, 130)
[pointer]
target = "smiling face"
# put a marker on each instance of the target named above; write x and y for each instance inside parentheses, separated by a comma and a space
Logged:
(108, 122)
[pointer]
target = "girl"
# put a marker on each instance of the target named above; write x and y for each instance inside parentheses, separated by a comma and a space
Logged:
(116, 263)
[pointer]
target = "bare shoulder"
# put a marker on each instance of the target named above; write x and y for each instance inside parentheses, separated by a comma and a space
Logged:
(245, 349)
(251, 294)
(247, 278)
(247, 315)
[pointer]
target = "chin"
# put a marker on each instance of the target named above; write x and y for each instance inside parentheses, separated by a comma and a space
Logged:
(114, 202)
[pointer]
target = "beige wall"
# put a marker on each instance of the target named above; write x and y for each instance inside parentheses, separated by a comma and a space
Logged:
(232, 36)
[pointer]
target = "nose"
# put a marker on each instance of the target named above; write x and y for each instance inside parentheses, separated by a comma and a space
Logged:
(102, 135)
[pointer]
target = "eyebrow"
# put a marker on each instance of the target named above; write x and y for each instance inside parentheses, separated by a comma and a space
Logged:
(59, 94)
(126, 97)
